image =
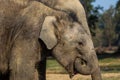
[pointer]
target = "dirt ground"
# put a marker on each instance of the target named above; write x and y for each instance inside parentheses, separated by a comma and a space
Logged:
(80, 77)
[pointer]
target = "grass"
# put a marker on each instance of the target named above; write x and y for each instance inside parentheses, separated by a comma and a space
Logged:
(54, 67)
(107, 65)
(109, 76)
(110, 68)
(110, 64)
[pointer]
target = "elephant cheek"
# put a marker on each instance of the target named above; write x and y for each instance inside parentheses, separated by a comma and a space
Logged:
(70, 69)
(65, 60)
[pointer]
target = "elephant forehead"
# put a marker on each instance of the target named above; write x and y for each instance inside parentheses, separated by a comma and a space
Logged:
(74, 32)
(71, 34)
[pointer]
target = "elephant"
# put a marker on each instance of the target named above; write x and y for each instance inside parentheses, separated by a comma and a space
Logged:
(77, 55)
(75, 9)
(22, 24)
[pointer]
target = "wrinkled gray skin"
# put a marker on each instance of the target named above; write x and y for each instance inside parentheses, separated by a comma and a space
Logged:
(21, 22)
(72, 47)
(73, 7)
(20, 25)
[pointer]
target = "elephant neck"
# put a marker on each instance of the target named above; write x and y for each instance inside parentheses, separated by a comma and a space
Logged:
(50, 3)
(20, 2)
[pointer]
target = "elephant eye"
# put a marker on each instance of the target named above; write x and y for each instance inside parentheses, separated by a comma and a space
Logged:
(81, 43)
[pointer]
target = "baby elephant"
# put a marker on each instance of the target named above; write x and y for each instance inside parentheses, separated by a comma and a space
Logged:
(71, 46)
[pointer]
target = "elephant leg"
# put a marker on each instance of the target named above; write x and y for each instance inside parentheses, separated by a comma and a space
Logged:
(4, 76)
(96, 75)
(41, 67)
(24, 56)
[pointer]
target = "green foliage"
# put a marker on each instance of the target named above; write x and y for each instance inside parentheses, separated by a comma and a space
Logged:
(118, 10)
(107, 32)
(98, 38)
(105, 26)
(108, 19)
(117, 18)
(88, 5)
(92, 14)
(54, 67)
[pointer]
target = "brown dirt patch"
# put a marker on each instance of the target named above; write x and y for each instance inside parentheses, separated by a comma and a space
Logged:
(78, 77)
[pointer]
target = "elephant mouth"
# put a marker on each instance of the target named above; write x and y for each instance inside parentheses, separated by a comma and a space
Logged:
(74, 71)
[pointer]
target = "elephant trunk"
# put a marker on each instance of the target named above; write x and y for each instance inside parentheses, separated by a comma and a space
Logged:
(96, 74)
(82, 67)
(88, 65)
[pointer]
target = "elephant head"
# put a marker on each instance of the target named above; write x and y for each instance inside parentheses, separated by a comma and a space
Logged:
(72, 7)
(71, 46)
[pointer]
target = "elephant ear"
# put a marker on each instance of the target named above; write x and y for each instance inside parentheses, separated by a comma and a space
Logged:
(47, 34)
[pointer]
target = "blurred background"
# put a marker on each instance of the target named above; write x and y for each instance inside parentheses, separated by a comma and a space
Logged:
(104, 22)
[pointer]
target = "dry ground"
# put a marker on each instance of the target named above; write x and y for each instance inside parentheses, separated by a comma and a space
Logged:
(109, 64)
(106, 76)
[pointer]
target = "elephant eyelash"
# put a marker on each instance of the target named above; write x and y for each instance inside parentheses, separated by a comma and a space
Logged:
(84, 62)
(74, 16)
(78, 50)
(81, 43)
